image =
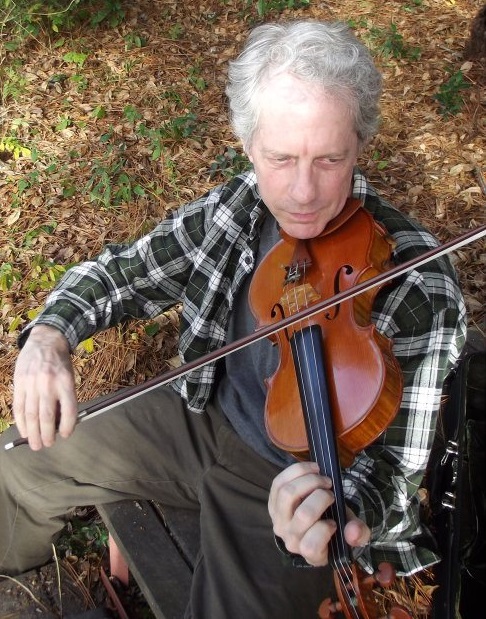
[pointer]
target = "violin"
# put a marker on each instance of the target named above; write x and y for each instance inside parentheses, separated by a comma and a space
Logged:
(337, 386)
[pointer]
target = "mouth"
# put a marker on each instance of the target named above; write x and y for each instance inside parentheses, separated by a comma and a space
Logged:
(303, 217)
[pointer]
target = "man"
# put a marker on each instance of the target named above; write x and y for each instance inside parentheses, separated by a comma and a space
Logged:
(304, 102)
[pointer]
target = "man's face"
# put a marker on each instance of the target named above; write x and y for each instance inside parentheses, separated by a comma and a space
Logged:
(303, 151)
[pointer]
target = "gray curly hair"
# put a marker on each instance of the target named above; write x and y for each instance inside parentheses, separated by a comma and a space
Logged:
(324, 53)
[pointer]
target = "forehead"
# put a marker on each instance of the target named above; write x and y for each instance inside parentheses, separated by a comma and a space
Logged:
(285, 92)
(289, 89)
(290, 109)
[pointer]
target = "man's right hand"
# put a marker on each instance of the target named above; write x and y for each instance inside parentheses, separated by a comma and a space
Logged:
(44, 401)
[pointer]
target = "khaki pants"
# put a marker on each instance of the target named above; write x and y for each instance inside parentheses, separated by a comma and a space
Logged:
(152, 448)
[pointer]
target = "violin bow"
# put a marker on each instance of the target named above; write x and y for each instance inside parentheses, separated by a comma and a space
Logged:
(127, 394)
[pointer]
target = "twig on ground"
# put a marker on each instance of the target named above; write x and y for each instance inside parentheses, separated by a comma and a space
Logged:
(58, 572)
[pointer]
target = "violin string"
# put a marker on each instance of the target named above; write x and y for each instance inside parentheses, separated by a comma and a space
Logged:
(343, 571)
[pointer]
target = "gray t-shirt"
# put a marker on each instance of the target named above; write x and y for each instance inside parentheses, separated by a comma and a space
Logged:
(242, 391)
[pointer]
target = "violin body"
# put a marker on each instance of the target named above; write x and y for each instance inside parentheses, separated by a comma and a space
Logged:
(364, 378)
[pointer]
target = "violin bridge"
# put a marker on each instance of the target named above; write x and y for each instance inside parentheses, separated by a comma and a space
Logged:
(298, 298)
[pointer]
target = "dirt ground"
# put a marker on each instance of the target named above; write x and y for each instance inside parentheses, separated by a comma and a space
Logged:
(39, 594)
(104, 170)
(64, 592)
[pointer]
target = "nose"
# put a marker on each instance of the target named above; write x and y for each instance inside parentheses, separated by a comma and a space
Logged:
(303, 186)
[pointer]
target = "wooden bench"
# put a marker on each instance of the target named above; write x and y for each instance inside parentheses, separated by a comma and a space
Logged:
(159, 545)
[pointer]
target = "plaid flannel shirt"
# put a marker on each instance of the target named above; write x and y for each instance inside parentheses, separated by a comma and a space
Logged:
(200, 254)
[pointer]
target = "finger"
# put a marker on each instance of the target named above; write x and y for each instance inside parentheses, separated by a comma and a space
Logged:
(48, 417)
(292, 496)
(69, 411)
(312, 508)
(295, 471)
(314, 546)
(18, 409)
(305, 517)
(293, 484)
(31, 417)
(357, 533)
(58, 407)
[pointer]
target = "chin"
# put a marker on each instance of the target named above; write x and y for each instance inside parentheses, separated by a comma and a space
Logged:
(303, 233)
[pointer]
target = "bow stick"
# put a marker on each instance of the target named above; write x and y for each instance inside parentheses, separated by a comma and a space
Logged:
(109, 401)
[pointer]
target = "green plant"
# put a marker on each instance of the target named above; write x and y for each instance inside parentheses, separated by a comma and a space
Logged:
(13, 83)
(23, 18)
(33, 234)
(134, 40)
(64, 123)
(412, 5)
(77, 58)
(390, 43)
(8, 275)
(381, 163)
(99, 112)
(110, 185)
(229, 164)
(30, 179)
(14, 147)
(68, 188)
(172, 175)
(175, 129)
(180, 127)
(100, 184)
(176, 31)
(131, 113)
(81, 81)
(172, 95)
(126, 189)
(111, 12)
(128, 66)
(450, 96)
(81, 537)
(266, 6)
(195, 78)
(45, 274)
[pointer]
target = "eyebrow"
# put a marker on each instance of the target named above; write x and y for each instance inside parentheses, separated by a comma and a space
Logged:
(276, 153)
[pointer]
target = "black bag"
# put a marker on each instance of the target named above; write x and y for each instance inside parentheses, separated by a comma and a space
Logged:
(456, 481)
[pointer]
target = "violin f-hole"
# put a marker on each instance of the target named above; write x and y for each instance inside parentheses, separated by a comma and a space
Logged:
(278, 310)
(347, 269)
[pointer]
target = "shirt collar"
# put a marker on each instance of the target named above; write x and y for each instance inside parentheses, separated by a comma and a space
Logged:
(361, 187)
